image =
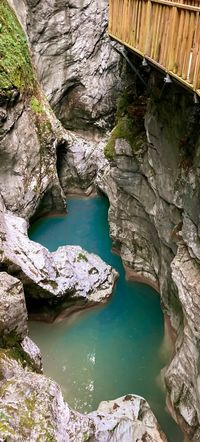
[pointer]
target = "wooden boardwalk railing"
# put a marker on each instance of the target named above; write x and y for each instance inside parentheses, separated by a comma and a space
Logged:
(166, 32)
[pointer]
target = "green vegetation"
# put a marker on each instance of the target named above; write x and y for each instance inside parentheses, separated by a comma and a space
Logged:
(128, 130)
(15, 63)
(81, 257)
(129, 124)
(37, 106)
(41, 120)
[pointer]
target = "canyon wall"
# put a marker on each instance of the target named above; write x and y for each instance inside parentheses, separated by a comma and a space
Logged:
(76, 65)
(152, 182)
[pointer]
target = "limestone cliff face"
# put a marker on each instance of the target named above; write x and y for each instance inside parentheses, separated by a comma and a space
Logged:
(152, 182)
(29, 131)
(76, 64)
(81, 75)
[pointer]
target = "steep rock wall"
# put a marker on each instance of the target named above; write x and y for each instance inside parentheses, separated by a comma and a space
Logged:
(152, 182)
(76, 65)
(29, 131)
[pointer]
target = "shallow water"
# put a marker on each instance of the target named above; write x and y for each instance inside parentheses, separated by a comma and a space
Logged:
(109, 351)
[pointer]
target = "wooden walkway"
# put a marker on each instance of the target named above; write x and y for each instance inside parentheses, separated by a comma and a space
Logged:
(165, 32)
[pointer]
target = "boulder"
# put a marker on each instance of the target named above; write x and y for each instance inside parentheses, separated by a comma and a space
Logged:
(69, 272)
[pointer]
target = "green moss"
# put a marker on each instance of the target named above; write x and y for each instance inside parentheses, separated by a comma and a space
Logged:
(129, 123)
(81, 257)
(15, 63)
(109, 149)
(127, 130)
(11, 339)
(123, 101)
(85, 437)
(11, 353)
(36, 106)
(43, 125)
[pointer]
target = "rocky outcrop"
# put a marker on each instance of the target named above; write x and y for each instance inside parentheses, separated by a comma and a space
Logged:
(80, 77)
(33, 354)
(126, 418)
(68, 273)
(13, 314)
(14, 328)
(32, 408)
(79, 165)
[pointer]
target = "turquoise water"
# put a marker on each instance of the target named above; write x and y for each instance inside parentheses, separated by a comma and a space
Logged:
(110, 351)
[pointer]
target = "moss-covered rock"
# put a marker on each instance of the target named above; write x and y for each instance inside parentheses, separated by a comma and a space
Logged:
(15, 63)
(28, 153)
(129, 124)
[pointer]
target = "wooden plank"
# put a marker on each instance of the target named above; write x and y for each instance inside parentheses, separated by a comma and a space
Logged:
(156, 45)
(188, 54)
(164, 40)
(183, 44)
(196, 81)
(147, 45)
(138, 24)
(161, 31)
(173, 38)
(195, 48)
(154, 25)
(179, 39)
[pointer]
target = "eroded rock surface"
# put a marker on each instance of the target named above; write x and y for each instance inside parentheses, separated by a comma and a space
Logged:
(29, 131)
(32, 407)
(79, 164)
(13, 314)
(68, 272)
(77, 67)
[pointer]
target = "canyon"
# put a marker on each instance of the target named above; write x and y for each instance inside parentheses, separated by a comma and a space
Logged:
(61, 94)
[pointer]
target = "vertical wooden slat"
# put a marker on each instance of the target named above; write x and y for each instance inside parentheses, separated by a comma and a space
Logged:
(179, 39)
(196, 81)
(173, 38)
(183, 43)
(148, 29)
(195, 47)
(164, 40)
(155, 17)
(187, 56)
